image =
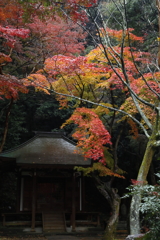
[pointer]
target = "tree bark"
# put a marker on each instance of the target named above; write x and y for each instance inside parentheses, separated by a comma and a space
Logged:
(153, 142)
(111, 226)
(113, 200)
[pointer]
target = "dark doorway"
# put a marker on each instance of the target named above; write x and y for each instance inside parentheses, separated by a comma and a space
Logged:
(50, 194)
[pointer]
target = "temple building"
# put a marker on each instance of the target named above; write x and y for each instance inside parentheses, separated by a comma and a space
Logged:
(47, 183)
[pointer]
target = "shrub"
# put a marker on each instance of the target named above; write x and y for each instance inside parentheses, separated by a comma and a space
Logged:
(150, 206)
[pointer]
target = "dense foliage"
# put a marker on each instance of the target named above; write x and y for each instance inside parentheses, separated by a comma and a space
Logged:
(97, 60)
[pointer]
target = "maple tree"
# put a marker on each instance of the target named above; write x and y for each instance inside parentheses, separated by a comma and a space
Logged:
(91, 134)
(112, 64)
(140, 98)
(87, 78)
(126, 68)
(75, 8)
(10, 35)
(57, 36)
(94, 142)
(17, 54)
(48, 36)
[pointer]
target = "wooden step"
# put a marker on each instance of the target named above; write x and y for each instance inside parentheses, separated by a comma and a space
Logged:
(53, 221)
(121, 232)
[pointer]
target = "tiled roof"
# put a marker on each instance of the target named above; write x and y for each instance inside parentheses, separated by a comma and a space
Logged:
(47, 149)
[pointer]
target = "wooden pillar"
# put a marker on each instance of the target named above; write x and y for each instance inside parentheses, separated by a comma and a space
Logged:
(21, 193)
(65, 191)
(18, 191)
(83, 193)
(34, 181)
(80, 193)
(73, 219)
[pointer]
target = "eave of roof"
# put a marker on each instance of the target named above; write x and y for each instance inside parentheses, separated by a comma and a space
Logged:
(47, 149)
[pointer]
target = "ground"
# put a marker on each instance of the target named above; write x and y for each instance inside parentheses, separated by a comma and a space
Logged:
(13, 233)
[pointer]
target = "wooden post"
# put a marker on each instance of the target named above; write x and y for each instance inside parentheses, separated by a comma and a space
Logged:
(4, 220)
(73, 222)
(18, 191)
(34, 180)
(83, 193)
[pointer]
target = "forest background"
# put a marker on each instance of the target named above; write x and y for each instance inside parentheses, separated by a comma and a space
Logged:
(93, 68)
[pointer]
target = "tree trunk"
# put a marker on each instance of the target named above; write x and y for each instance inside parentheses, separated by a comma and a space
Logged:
(4, 136)
(111, 227)
(134, 215)
(153, 142)
(113, 200)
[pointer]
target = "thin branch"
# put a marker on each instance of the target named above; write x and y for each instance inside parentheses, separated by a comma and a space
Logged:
(110, 108)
